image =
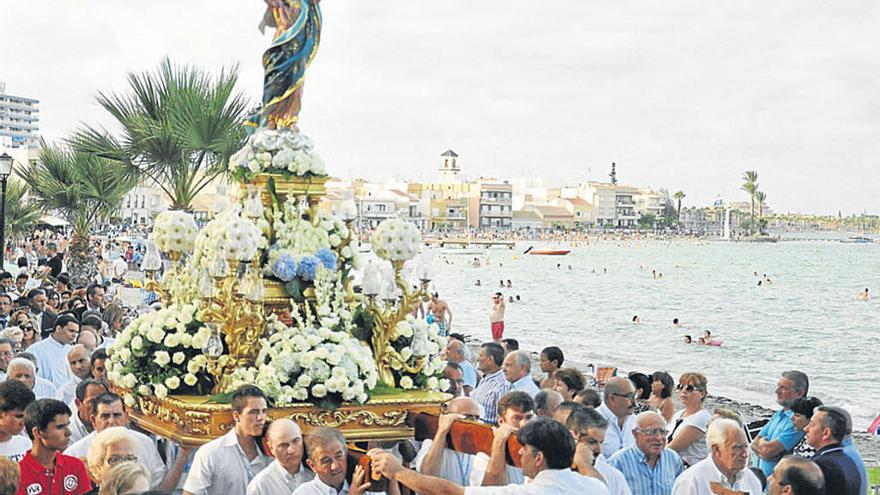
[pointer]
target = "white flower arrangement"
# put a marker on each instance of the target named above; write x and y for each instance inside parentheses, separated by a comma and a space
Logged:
(317, 360)
(174, 231)
(227, 236)
(160, 353)
(277, 151)
(416, 340)
(396, 240)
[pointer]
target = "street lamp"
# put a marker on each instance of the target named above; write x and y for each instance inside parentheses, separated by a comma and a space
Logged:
(5, 171)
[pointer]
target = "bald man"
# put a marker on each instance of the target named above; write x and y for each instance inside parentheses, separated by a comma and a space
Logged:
(618, 408)
(287, 471)
(796, 476)
(435, 459)
(78, 357)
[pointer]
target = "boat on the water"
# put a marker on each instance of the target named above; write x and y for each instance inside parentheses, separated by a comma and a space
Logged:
(547, 252)
(858, 240)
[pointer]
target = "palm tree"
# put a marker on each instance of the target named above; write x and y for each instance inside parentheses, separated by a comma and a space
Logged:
(751, 186)
(83, 189)
(760, 197)
(177, 128)
(679, 195)
(21, 212)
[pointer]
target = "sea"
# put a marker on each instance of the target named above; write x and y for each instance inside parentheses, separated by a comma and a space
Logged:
(806, 317)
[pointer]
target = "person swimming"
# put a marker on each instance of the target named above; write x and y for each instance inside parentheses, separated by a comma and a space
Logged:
(864, 296)
(478, 283)
(675, 323)
(688, 339)
(636, 319)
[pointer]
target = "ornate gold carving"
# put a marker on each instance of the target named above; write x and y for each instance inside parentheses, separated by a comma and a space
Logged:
(335, 419)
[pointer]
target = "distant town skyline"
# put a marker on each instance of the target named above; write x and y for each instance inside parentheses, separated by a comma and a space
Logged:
(681, 96)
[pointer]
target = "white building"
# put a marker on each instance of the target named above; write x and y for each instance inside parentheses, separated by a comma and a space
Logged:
(141, 204)
(19, 120)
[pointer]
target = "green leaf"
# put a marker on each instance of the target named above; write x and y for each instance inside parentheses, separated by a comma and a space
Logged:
(294, 290)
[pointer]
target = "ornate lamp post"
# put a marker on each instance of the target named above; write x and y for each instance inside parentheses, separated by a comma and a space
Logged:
(5, 172)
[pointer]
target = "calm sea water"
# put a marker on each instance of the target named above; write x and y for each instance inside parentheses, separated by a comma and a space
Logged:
(808, 318)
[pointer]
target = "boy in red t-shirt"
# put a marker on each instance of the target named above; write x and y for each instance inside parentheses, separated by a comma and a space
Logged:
(44, 469)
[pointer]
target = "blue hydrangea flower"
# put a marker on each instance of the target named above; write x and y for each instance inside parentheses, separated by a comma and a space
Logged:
(285, 267)
(327, 257)
(308, 267)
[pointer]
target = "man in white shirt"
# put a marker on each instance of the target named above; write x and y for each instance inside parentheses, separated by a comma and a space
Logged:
(80, 369)
(726, 465)
(515, 409)
(51, 352)
(618, 407)
(109, 411)
(435, 459)
(14, 398)
(25, 371)
(588, 427)
(286, 473)
(81, 421)
(546, 457)
(328, 458)
(518, 371)
(225, 465)
(120, 268)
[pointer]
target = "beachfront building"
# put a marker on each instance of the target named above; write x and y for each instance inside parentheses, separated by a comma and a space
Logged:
(551, 217)
(19, 120)
(141, 204)
(496, 205)
(527, 220)
(616, 205)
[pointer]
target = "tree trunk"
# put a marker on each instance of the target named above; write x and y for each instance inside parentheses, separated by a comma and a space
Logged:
(82, 265)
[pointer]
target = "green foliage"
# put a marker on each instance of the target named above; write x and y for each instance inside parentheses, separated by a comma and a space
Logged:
(177, 127)
(21, 212)
(647, 221)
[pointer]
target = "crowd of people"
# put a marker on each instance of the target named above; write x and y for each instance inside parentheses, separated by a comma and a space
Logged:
(63, 430)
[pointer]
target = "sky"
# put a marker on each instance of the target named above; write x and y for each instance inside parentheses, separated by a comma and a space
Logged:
(682, 95)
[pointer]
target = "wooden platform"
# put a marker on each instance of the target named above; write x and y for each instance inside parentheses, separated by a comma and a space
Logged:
(473, 242)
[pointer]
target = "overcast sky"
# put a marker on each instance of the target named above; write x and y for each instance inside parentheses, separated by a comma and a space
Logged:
(681, 94)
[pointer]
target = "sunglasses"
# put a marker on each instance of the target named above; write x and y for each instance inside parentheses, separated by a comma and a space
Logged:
(686, 388)
(116, 459)
(652, 431)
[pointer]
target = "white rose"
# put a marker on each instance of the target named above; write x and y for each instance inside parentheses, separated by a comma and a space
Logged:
(172, 382)
(406, 383)
(193, 366)
(161, 391)
(129, 381)
(144, 390)
(137, 343)
(156, 334)
(161, 358)
(444, 384)
(129, 401)
(433, 383)
(190, 379)
(319, 390)
(178, 358)
(171, 340)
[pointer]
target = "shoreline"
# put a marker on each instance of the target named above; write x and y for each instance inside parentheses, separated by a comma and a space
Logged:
(868, 445)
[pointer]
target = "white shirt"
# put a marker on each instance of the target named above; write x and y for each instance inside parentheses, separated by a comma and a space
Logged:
(615, 481)
(616, 438)
(454, 466)
(52, 356)
(148, 455)
(220, 467)
(78, 430)
(547, 482)
(67, 393)
(120, 267)
(44, 389)
(317, 487)
(527, 385)
(481, 465)
(697, 450)
(696, 479)
(15, 448)
(276, 480)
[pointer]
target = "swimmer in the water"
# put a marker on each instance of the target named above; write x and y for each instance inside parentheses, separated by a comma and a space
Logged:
(759, 282)
(517, 298)
(702, 341)
(707, 336)
(477, 283)
(510, 299)
(675, 323)
(864, 296)
(636, 319)
(688, 339)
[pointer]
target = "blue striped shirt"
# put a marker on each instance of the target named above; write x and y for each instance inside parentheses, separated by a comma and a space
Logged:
(641, 477)
(488, 393)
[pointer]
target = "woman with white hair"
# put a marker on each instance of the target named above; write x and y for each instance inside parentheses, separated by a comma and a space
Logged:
(126, 478)
(111, 447)
(15, 335)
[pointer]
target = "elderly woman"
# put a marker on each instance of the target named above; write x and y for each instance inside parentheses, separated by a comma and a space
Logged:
(661, 394)
(688, 431)
(126, 478)
(569, 382)
(803, 412)
(15, 335)
(111, 447)
(22, 320)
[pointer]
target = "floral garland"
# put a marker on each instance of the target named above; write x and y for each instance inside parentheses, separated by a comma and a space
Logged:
(317, 360)
(160, 353)
(276, 151)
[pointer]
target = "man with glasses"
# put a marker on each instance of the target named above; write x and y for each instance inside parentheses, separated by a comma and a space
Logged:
(617, 408)
(726, 465)
(588, 427)
(493, 385)
(796, 476)
(7, 354)
(648, 466)
(779, 435)
(435, 459)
